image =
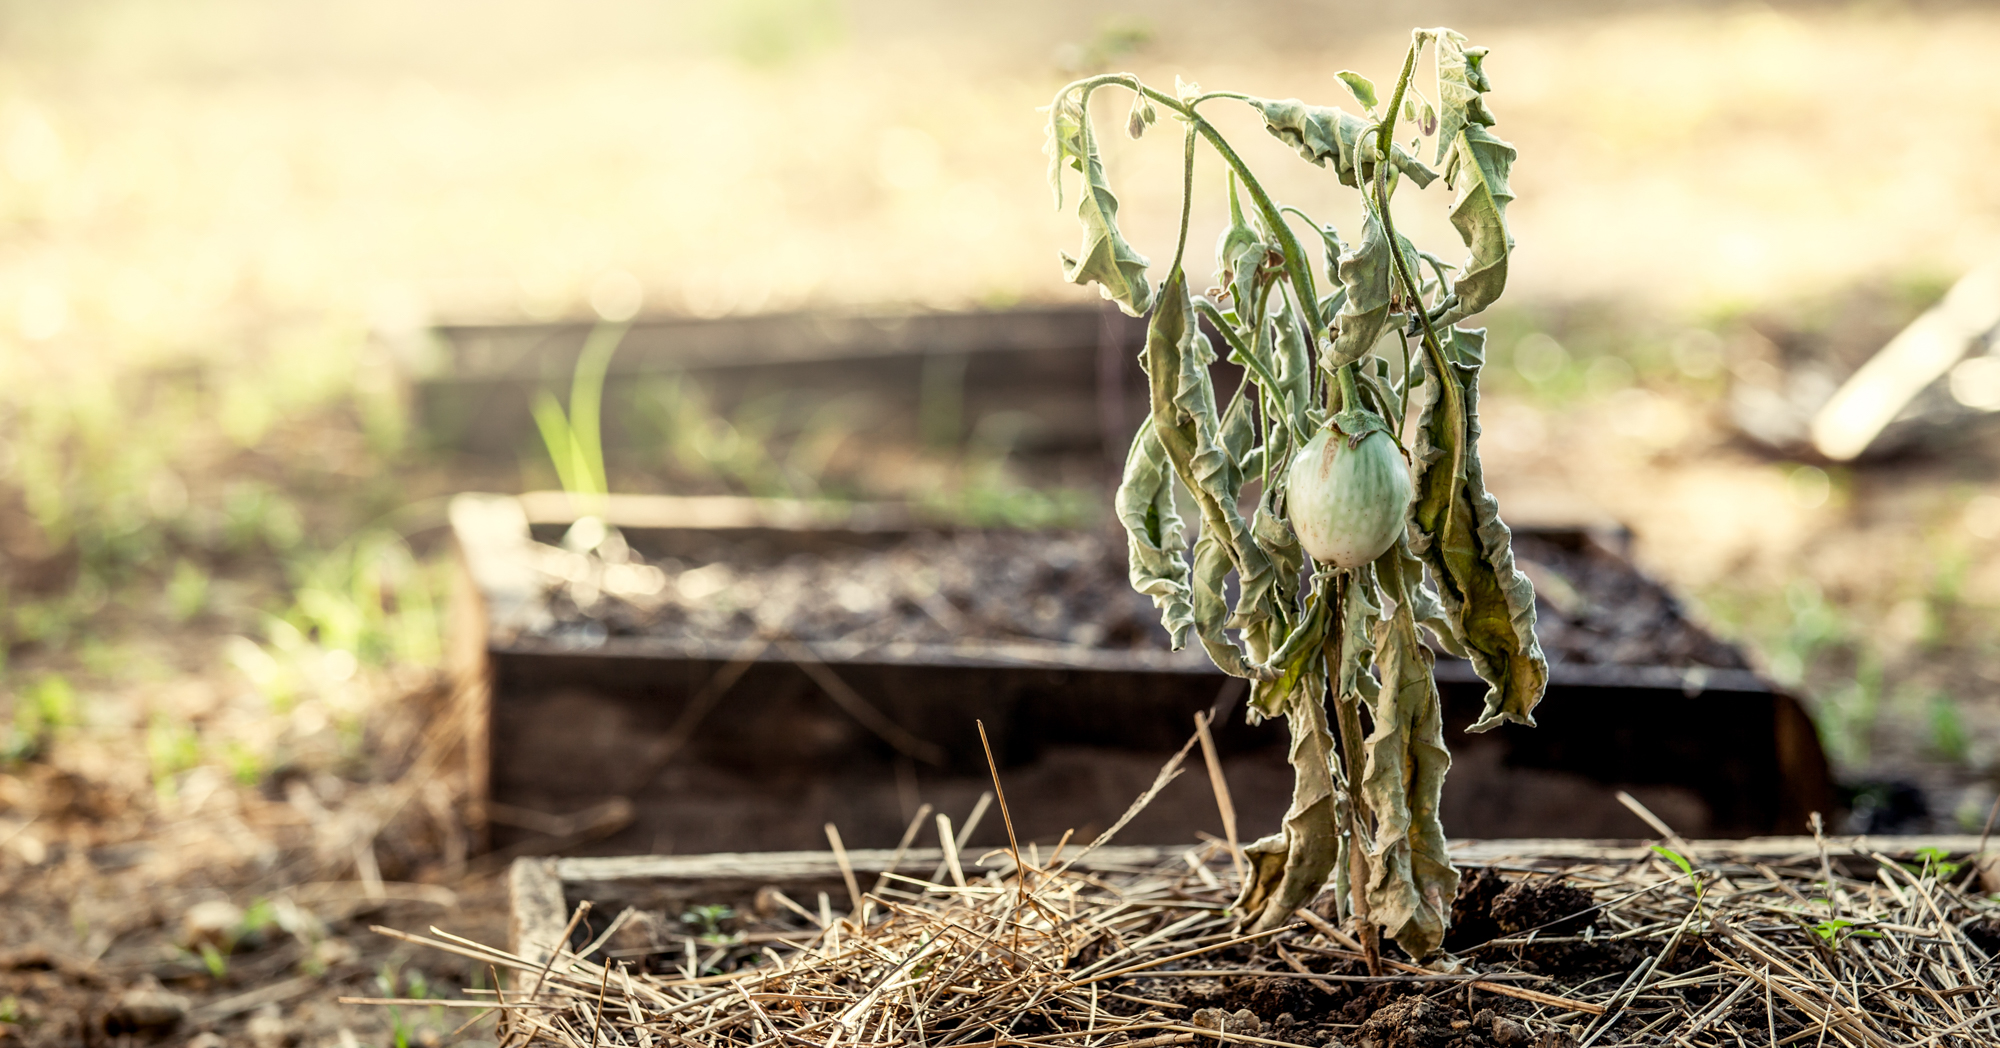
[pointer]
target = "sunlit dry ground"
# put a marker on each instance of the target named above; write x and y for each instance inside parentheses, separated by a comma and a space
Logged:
(220, 223)
(168, 184)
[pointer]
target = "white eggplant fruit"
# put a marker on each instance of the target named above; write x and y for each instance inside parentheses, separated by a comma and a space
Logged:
(1349, 501)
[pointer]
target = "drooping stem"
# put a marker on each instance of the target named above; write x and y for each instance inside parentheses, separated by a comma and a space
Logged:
(1403, 394)
(1448, 389)
(1187, 195)
(1347, 715)
(1350, 394)
(1288, 242)
(1213, 314)
(1388, 139)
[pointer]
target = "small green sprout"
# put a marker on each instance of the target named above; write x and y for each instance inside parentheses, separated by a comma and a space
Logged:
(1934, 862)
(1834, 930)
(707, 920)
(1687, 868)
(215, 961)
(1676, 858)
(575, 440)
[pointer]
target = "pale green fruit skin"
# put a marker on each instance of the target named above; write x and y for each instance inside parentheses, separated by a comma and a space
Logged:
(1348, 505)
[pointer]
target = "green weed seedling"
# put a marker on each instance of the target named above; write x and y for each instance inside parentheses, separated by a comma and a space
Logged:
(388, 978)
(171, 748)
(707, 922)
(574, 440)
(1353, 434)
(1687, 869)
(1934, 863)
(40, 711)
(187, 590)
(1949, 737)
(1835, 930)
(215, 961)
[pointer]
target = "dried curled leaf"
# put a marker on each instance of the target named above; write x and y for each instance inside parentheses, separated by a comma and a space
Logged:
(1356, 651)
(1462, 84)
(1310, 839)
(1211, 607)
(1481, 164)
(1368, 276)
(1184, 418)
(1292, 357)
(1411, 882)
(1274, 534)
(1239, 253)
(1156, 539)
(1064, 146)
(1489, 604)
(1323, 133)
(1477, 164)
(1402, 572)
(1105, 258)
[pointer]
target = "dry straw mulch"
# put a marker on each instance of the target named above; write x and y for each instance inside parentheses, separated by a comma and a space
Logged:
(1824, 949)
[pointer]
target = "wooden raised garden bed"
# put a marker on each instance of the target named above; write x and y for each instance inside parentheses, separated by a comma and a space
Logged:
(671, 724)
(1555, 944)
(1069, 374)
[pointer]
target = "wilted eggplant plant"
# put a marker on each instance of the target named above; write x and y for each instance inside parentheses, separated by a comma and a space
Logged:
(1354, 433)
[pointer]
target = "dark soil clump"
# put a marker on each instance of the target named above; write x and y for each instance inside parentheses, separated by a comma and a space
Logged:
(1551, 906)
(1472, 920)
(1414, 1021)
(1985, 934)
(1266, 998)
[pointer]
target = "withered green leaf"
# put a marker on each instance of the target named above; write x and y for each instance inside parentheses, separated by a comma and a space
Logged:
(1461, 83)
(1323, 133)
(1292, 355)
(1488, 603)
(1362, 88)
(1368, 276)
(1310, 838)
(1184, 418)
(1105, 257)
(1064, 143)
(1411, 880)
(1482, 164)
(1156, 539)
(1477, 164)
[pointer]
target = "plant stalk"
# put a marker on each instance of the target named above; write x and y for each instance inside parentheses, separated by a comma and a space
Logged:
(1347, 713)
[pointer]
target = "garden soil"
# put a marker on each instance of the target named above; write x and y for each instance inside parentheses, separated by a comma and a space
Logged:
(943, 587)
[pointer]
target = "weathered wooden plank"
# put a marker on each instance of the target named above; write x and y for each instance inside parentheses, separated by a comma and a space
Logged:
(639, 512)
(537, 910)
(534, 351)
(779, 867)
(1751, 849)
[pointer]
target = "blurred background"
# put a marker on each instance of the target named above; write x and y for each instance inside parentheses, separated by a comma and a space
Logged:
(235, 239)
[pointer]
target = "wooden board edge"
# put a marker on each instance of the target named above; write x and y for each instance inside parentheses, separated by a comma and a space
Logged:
(782, 866)
(538, 912)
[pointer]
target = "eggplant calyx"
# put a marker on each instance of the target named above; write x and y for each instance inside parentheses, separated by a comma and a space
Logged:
(1356, 423)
